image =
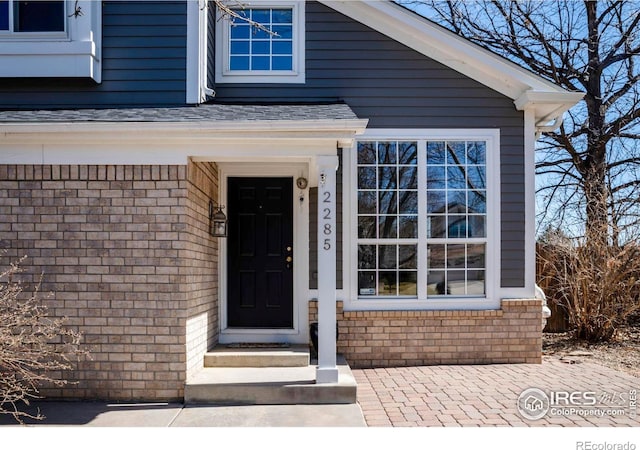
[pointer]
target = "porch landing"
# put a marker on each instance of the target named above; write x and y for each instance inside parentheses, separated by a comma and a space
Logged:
(286, 381)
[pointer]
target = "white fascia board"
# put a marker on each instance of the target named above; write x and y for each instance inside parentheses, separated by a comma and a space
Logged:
(180, 130)
(121, 150)
(459, 54)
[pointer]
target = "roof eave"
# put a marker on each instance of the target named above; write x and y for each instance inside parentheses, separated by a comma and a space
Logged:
(547, 106)
(330, 129)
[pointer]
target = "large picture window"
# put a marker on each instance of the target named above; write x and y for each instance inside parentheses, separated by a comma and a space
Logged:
(421, 218)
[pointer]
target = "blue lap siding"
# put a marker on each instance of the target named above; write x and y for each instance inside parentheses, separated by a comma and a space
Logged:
(144, 48)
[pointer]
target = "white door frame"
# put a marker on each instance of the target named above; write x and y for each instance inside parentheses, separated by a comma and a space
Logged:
(299, 334)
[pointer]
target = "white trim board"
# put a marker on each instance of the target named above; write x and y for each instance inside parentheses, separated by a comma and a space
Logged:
(195, 36)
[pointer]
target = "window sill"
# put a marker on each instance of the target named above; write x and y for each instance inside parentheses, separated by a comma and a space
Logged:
(261, 78)
(429, 304)
(50, 59)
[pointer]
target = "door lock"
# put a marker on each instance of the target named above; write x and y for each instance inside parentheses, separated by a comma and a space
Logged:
(289, 259)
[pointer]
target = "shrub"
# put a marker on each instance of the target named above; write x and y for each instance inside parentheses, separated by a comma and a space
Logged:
(597, 284)
(32, 346)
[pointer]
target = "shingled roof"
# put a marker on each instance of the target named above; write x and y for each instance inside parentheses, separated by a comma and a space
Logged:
(202, 113)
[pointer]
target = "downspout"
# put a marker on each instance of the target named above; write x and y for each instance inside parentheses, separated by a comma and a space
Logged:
(208, 92)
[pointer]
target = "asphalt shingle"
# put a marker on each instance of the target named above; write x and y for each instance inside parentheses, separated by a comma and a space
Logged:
(201, 113)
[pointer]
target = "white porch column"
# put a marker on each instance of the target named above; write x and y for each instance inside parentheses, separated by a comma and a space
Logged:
(327, 371)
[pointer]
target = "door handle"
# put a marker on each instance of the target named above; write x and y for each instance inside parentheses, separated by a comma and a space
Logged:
(289, 259)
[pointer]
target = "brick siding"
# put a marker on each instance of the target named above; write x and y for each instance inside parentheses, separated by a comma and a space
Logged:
(116, 245)
(201, 264)
(411, 338)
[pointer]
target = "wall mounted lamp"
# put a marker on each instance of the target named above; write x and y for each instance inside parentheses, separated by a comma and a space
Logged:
(218, 220)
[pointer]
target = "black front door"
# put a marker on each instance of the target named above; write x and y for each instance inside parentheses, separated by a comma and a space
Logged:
(260, 252)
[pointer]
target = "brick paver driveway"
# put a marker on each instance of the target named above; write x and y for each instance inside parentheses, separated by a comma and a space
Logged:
(488, 395)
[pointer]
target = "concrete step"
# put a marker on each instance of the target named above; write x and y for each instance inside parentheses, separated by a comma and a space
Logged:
(269, 386)
(225, 356)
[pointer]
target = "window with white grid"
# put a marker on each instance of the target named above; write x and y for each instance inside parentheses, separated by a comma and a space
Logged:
(456, 206)
(387, 218)
(265, 42)
(267, 48)
(421, 218)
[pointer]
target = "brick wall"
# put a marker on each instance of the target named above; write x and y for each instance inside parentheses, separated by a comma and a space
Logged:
(201, 265)
(405, 338)
(116, 246)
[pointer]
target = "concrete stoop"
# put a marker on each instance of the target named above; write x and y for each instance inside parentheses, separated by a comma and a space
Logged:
(225, 356)
(255, 383)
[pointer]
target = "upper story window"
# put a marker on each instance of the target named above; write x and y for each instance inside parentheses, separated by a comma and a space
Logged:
(270, 53)
(60, 38)
(32, 16)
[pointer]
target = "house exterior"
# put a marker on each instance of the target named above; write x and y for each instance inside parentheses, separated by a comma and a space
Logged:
(376, 170)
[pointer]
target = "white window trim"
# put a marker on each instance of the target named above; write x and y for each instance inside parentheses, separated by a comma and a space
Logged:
(75, 52)
(297, 75)
(492, 298)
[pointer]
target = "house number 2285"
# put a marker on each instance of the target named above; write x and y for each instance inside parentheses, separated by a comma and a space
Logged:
(327, 228)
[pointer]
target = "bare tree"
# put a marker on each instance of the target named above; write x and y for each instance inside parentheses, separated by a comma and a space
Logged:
(236, 12)
(33, 347)
(589, 167)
